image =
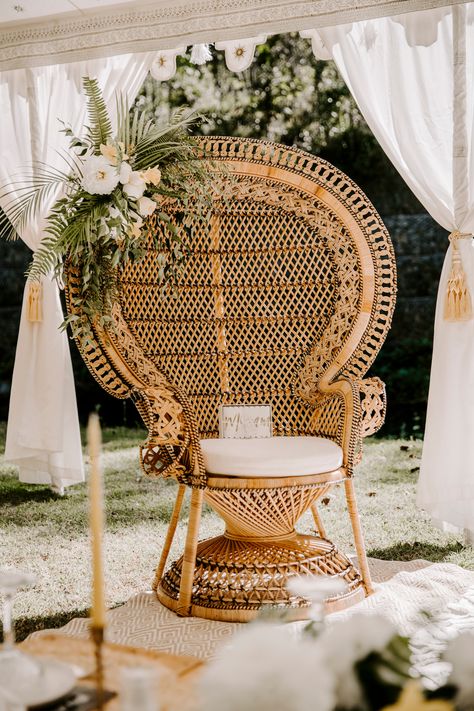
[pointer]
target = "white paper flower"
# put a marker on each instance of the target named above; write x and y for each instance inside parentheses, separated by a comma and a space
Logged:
(146, 207)
(125, 172)
(135, 185)
(267, 669)
(349, 641)
(98, 176)
(460, 653)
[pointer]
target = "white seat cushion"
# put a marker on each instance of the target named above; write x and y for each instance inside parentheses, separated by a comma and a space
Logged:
(271, 457)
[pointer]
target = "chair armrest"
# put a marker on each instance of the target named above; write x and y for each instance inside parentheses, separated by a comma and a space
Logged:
(348, 410)
(373, 405)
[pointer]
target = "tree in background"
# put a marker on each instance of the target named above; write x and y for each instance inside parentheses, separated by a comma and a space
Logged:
(289, 97)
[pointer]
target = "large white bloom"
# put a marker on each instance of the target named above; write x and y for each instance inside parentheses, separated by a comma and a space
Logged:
(267, 669)
(460, 653)
(125, 172)
(146, 207)
(98, 176)
(135, 185)
(346, 642)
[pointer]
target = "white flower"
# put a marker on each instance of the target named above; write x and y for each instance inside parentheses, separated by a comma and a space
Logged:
(114, 213)
(98, 176)
(125, 172)
(315, 587)
(135, 185)
(460, 653)
(146, 207)
(152, 175)
(267, 669)
(135, 228)
(346, 642)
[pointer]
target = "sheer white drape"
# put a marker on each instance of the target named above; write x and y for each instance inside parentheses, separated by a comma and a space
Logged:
(414, 86)
(43, 436)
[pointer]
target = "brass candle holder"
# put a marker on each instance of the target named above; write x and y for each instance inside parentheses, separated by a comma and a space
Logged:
(97, 634)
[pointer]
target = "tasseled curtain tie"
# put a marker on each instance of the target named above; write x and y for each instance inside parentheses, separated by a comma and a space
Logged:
(35, 301)
(457, 304)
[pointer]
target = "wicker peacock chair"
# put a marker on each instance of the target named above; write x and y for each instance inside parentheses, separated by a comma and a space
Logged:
(286, 298)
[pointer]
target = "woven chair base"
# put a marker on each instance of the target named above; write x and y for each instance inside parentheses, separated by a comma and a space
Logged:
(235, 579)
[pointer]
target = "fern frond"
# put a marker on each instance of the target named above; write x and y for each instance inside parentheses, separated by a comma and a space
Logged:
(123, 119)
(101, 128)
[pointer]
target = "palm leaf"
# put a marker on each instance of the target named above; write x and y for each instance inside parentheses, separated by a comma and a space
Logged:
(123, 119)
(101, 128)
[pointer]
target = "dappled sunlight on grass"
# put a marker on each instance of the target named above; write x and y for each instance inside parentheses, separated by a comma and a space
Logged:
(49, 535)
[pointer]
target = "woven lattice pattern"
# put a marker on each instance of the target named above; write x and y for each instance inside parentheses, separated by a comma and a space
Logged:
(246, 585)
(243, 314)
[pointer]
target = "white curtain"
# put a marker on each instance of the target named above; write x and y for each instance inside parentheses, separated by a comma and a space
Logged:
(413, 79)
(43, 436)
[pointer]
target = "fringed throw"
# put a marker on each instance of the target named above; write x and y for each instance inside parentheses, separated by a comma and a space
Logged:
(457, 304)
(35, 301)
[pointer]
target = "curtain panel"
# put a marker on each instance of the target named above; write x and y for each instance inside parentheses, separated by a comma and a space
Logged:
(43, 436)
(413, 79)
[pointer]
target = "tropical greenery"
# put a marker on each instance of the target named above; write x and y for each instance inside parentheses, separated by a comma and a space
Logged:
(109, 186)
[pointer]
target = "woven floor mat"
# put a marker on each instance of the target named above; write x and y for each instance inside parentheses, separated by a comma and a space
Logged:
(402, 590)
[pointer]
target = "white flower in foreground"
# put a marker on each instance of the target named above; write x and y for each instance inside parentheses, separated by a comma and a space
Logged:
(346, 642)
(266, 669)
(135, 185)
(460, 653)
(146, 207)
(125, 172)
(316, 587)
(98, 176)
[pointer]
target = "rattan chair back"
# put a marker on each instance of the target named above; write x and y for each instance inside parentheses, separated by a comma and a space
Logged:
(283, 285)
(290, 283)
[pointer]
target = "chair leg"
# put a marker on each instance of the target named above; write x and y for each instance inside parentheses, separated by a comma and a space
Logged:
(318, 522)
(358, 536)
(169, 535)
(189, 557)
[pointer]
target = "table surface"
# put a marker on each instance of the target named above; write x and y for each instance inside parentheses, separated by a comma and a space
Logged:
(177, 674)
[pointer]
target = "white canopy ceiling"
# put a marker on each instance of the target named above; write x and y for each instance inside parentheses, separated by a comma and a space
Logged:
(34, 33)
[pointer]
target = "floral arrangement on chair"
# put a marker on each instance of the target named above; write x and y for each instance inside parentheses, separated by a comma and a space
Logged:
(360, 664)
(111, 184)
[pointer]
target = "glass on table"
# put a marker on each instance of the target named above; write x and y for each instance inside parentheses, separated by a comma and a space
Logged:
(18, 671)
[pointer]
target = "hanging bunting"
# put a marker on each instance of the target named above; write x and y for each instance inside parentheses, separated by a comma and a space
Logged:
(200, 54)
(421, 29)
(164, 64)
(320, 51)
(239, 54)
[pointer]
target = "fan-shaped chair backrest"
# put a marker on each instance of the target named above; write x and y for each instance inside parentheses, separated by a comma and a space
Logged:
(291, 280)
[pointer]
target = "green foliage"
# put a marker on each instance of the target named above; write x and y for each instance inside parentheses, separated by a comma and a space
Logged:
(97, 227)
(100, 128)
(383, 674)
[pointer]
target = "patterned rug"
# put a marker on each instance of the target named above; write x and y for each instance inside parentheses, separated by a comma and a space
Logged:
(402, 591)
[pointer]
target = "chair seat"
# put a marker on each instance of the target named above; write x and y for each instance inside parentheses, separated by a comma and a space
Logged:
(271, 456)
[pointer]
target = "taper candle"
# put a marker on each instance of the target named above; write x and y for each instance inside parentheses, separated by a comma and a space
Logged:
(96, 519)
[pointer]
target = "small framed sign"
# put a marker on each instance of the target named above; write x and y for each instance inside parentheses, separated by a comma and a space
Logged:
(245, 421)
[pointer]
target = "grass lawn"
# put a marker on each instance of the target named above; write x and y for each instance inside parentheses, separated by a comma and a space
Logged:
(48, 535)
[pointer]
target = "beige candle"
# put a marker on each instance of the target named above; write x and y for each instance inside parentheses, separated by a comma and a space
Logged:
(96, 518)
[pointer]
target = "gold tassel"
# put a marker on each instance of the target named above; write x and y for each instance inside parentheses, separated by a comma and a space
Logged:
(35, 301)
(457, 304)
